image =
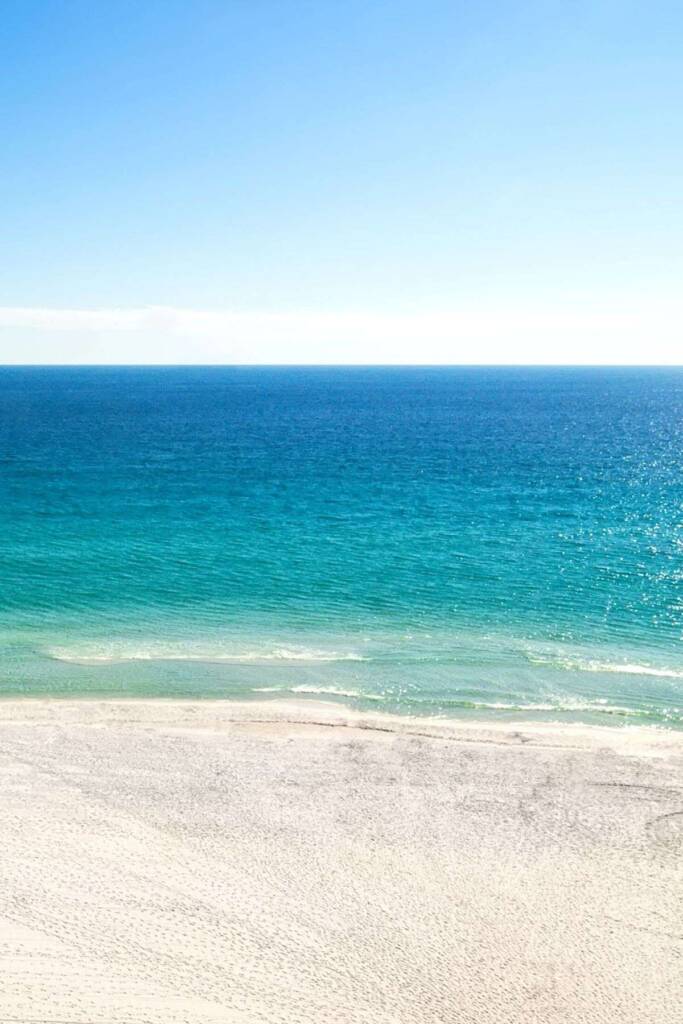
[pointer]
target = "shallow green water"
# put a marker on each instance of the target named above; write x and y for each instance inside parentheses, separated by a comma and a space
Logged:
(438, 541)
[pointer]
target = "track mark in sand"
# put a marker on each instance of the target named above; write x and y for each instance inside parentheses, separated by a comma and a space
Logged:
(660, 790)
(519, 738)
(644, 928)
(667, 828)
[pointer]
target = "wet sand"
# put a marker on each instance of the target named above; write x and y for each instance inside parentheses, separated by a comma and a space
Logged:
(296, 862)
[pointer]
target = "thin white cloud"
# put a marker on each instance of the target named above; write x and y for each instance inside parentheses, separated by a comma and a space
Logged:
(170, 334)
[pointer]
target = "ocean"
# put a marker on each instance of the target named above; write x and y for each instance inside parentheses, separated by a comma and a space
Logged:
(480, 542)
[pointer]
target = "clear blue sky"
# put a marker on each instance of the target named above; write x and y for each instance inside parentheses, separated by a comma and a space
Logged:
(483, 162)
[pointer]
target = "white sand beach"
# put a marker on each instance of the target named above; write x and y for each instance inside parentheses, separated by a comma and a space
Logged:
(296, 862)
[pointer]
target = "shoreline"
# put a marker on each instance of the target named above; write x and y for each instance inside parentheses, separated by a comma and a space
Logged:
(196, 862)
(309, 713)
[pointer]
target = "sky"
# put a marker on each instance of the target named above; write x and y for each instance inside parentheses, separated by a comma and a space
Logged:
(333, 181)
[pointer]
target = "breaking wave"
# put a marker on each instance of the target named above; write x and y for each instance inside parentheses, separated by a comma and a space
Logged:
(594, 665)
(122, 654)
(334, 691)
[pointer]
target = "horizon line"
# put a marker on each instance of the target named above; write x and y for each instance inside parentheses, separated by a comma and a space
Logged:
(342, 366)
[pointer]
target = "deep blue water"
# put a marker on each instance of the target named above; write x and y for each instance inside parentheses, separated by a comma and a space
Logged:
(430, 540)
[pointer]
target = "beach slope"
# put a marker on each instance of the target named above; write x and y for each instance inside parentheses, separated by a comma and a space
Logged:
(167, 862)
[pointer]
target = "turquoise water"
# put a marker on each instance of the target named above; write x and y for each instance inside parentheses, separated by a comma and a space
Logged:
(504, 542)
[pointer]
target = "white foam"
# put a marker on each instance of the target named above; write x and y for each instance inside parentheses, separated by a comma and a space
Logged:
(291, 654)
(599, 704)
(629, 669)
(331, 690)
(593, 665)
(114, 655)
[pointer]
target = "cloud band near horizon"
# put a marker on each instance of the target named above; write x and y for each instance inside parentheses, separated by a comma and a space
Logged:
(154, 334)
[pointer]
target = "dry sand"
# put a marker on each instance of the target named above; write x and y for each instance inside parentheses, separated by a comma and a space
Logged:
(167, 861)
